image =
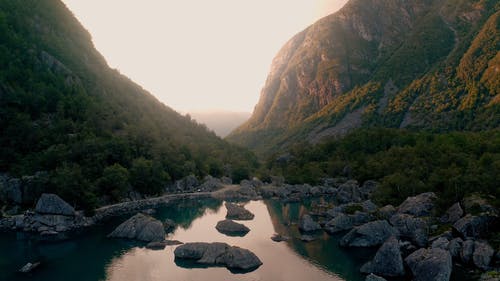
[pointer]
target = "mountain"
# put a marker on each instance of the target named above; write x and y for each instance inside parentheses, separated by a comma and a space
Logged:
(221, 122)
(417, 64)
(69, 124)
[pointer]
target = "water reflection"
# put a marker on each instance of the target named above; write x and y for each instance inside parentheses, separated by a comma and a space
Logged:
(280, 262)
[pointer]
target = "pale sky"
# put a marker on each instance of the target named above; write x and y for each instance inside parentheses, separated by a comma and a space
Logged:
(197, 55)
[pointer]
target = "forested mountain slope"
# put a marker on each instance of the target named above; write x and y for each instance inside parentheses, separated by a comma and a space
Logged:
(420, 64)
(70, 124)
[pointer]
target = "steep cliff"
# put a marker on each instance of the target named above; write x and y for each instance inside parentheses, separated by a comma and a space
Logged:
(423, 64)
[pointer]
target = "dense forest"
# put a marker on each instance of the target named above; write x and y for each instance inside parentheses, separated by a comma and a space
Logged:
(71, 125)
(405, 163)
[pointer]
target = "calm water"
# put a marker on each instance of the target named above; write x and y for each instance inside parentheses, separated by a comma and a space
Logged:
(91, 256)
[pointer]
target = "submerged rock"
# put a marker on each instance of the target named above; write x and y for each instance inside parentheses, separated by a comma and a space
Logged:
(369, 235)
(140, 227)
(160, 245)
(279, 238)
(232, 228)
(373, 277)
(307, 224)
(53, 205)
(430, 265)
(237, 212)
(214, 254)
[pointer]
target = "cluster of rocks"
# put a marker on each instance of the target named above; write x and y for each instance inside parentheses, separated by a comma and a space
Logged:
(404, 234)
(218, 254)
(192, 184)
(52, 216)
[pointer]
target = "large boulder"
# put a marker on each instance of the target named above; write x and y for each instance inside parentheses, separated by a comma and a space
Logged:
(483, 254)
(387, 261)
(140, 227)
(231, 228)
(307, 224)
(455, 247)
(53, 205)
(453, 214)
(418, 206)
(472, 226)
(237, 212)
(341, 222)
(369, 235)
(187, 184)
(349, 192)
(411, 228)
(430, 265)
(216, 254)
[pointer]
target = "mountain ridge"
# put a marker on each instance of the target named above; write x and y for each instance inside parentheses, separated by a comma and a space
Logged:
(381, 64)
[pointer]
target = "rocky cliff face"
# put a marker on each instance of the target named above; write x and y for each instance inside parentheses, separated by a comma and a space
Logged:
(388, 63)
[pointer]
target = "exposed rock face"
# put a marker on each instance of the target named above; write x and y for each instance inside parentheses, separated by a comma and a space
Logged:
(430, 265)
(388, 260)
(441, 243)
(455, 247)
(10, 190)
(418, 206)
(387, 212)
(140, 227)
(483, 254)
(411, 228)
(369, 234)
(453, 214)
(237, 212)
(472, 226)
(307, 224)
(218, 254)
(53, 205)
(230, 227)
(349, 192)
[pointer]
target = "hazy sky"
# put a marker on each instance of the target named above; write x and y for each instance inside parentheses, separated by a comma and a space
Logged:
(197, 55)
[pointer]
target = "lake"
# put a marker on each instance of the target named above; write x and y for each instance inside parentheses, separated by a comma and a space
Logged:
(90, 255)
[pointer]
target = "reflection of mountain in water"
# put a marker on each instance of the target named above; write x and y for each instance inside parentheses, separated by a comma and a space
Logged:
(325, 250)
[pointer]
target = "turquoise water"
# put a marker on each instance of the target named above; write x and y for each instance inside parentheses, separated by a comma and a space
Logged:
(89, 255)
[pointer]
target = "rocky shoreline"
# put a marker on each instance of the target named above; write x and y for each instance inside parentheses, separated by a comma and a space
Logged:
(412, 239)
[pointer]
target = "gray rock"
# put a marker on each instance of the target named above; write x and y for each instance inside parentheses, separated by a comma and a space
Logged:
(53, 205)
(218, 254)
(455, 247)
(349, 192)
(340, 223)
(411, 228)
(243, 259)
(441, 243)
(279, 238)
(483, 254)
(368, 188)
(277, 180)
(453, 214)
(368, 206)
(369, 235)
(140, 227)
(231, 228)
(373, 277)
(169, 225)
(186, 184)
(418, 206)
(472, 226)
(210, 184)
(467, 251)
(307, 224)
(160, 245)
(387, 261)
(29, 267)
(307, 238)
(226, 180)
(430, 265)
(387, 212)
(237, 212)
